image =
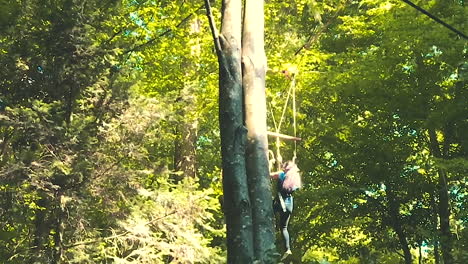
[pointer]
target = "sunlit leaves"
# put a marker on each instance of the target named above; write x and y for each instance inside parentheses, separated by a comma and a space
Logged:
(365, 107)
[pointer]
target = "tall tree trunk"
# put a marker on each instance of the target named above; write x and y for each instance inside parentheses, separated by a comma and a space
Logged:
(237, 207)
(41, 233)
(436, 231)
(436, 252)
(59, 227)
(394, 211)
(185, 148)
(420, 256)
(185, 145)
(446, 239)
(254, 69)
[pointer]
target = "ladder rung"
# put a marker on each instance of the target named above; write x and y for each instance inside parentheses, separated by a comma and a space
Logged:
(274, 134)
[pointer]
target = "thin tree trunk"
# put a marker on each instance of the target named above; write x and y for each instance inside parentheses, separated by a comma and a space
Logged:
(436, 231)
(237, 207)
(394, 211)
(436, 252)
(254, 69)
(41, 233)
(185, 149)
(59, 229)
(444, 215)
(69, 101)
(446, 239)
(420, 259)
(187, 129)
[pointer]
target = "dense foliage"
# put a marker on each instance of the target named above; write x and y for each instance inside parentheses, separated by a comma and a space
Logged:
(109, 140)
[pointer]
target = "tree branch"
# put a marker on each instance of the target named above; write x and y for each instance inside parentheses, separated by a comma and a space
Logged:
(214, 30)
(399, 254)
(314, 37)
(138, 47)
(275, 134)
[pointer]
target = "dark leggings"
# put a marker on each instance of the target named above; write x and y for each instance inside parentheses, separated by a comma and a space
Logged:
(284, 221)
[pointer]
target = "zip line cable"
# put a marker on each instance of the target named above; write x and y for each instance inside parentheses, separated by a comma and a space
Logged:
(438, 20)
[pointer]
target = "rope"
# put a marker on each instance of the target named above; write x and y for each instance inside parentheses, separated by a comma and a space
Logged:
(271, 160)
(285, 106)
(291, 91)
(279, 158)
(294, 115)
(273, 116)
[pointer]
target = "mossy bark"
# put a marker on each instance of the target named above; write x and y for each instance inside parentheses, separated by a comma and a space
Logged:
(237, 206)
(254, 70)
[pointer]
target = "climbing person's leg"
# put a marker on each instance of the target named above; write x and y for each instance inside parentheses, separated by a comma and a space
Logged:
(284, 221)
(288, 202)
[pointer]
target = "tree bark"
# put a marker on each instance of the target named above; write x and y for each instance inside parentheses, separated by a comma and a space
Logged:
(436, 231)
(254, 69)
(446, 242)
(59, 227)
(446, 239)
(187, 129)
(436, 252)
(40, 251)
(185, 149)
(237, 207)
(420, 256)
(394, 211)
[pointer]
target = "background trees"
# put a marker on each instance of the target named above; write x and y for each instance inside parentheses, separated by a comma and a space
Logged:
(381, 85)
(97, 98)
(88, 144)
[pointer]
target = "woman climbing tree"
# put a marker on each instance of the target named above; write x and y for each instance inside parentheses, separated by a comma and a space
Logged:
(289, 181)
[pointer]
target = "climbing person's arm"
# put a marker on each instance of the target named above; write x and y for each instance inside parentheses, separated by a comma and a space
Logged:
(277, 175)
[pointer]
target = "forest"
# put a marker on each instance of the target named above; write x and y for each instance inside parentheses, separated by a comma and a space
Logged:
(128, 130)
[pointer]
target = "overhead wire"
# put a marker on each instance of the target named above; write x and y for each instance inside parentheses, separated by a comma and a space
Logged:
(438, 20)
